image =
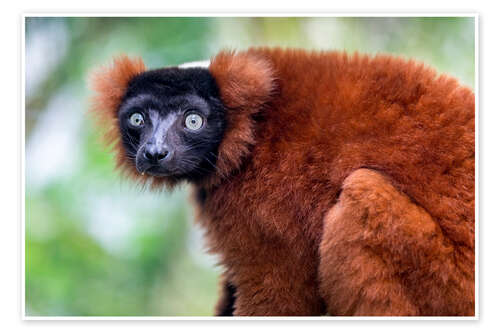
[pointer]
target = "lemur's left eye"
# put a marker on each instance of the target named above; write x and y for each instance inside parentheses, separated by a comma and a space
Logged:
(193, 121)
(136, 119)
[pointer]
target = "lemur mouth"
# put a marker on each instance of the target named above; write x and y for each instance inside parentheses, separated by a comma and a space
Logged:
(157, 171)
(151, 170)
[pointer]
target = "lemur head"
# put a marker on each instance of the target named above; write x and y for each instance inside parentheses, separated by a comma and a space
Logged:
(175, 124)
(172, 122)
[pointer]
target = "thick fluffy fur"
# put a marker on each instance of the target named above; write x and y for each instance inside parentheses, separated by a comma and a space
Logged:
(110, 85)
(398, 263)
(344, 184)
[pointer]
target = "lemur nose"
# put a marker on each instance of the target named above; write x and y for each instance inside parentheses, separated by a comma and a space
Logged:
(154, 153)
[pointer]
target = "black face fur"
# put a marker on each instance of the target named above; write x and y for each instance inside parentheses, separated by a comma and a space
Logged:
(154, 121)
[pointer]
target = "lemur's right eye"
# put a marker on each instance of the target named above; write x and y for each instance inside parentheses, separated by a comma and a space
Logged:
(136, 119)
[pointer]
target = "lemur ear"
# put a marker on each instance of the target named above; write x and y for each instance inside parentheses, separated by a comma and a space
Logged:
(110, 84)
(245, 80)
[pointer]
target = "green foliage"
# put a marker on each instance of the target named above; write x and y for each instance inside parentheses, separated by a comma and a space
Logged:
(97, 245)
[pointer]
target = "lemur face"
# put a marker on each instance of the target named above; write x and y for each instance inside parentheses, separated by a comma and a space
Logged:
(171, 122)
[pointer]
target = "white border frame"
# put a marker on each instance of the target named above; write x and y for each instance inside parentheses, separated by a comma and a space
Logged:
(247, 14)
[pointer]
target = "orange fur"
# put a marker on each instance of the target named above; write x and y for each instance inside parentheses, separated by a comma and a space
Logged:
(330, 115)
(246, 83)
(300, 225)
(383, 255)
(110, 85)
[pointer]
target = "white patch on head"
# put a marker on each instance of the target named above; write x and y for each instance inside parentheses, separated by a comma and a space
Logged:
(202, 63)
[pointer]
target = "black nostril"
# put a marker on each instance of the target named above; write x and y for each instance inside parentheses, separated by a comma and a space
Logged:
(149, 156)
(162, 155)
(155, 156)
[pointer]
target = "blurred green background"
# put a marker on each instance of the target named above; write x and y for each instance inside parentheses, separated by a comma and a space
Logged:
(98, 245)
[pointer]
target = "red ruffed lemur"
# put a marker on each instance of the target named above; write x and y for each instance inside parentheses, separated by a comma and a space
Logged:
(326, 183)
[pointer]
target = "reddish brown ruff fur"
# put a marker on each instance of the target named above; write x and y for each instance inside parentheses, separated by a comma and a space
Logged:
(345, 184)
(110, 85)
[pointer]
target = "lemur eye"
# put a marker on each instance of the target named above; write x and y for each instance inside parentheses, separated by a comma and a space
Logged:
(193, 121)
(136, 119)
